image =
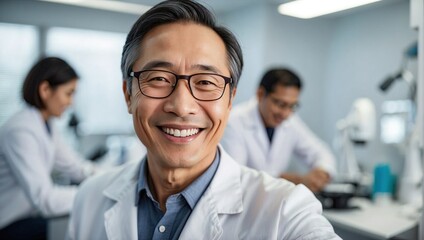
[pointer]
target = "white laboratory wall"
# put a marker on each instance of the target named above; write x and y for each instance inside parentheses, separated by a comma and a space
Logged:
(96, 56)
(248, 26)
(18, 52)
(340, 58)
(365, 49)
(269, 39)
(46, 14)
(303, 46)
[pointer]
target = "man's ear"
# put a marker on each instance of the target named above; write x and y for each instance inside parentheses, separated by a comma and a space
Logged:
(233, 95)
(260, 93)
(127, 96)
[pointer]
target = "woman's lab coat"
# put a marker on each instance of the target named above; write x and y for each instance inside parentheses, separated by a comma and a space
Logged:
(246, 140)
(240, 203)
(28, 154)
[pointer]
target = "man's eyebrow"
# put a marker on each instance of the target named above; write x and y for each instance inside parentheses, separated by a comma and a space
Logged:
(168, 65)
(208, 68)
(157, 64)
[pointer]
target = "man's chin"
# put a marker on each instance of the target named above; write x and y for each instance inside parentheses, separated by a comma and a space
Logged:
(278, 122)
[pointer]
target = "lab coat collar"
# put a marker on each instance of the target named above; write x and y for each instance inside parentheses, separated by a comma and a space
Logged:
(254, 121)
(123, 184)
(121, 218)
(227, 183)
(223, 196)
(37, 119)
(255, 124)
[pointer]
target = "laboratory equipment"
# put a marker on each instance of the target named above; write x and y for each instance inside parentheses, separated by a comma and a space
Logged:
(396, 121)
(412, 175)
(399, 126)
(383, 185)
(358, 127)
(404, 74)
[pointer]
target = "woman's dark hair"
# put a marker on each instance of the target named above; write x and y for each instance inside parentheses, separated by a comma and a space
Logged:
(280, 76)
(51, 69)
(178, 11)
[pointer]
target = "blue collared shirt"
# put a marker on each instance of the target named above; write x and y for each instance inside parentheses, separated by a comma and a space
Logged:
(152, 223)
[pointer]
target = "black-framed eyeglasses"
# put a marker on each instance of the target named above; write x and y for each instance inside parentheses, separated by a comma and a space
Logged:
(160, 84)
(283, 105)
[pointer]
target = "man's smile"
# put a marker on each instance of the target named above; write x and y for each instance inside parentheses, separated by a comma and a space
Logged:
(180, 132)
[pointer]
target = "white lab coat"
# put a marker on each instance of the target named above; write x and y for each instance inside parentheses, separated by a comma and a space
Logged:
(246, 140)
(239, 203)
(28, 154)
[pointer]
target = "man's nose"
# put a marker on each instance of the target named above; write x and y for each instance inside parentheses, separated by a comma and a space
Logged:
(181, 102)
(285, 111)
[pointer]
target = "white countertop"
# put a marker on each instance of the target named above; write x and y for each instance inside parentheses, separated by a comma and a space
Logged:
(381, 221)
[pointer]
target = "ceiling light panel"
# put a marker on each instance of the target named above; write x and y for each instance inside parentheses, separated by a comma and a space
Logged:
(314, 8)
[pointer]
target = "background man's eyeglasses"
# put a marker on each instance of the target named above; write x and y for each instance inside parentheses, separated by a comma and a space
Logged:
(161, 84)
(283, 105)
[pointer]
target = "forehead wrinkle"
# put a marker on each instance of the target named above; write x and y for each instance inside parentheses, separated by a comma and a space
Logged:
(169, 65)
(208, 68)
(157, 64)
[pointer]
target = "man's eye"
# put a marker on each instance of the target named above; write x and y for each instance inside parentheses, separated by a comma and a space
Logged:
(157, 82)
(159, 79)
(205, 82)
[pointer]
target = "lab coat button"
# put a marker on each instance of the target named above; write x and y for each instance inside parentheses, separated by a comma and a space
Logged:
(162, 229)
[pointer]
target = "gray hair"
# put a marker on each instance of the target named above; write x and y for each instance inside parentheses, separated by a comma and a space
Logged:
(176, 11)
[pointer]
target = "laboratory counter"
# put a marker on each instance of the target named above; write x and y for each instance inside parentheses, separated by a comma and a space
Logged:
(369, 221)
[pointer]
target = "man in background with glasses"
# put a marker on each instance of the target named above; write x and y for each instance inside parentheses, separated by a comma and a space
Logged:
(264, 133)
(180, 75)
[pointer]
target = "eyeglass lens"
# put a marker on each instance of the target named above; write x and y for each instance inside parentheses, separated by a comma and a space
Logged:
(160, 84)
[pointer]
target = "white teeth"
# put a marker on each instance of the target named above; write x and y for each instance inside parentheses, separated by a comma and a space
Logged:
(177, 133)
(180, 133)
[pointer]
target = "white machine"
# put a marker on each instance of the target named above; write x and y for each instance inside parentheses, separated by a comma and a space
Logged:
(357, 127)
(401, 125)
(410, 191)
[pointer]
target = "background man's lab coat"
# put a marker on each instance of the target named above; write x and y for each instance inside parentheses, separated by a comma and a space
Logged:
(240, 203)
(28, 154)
(246, 140)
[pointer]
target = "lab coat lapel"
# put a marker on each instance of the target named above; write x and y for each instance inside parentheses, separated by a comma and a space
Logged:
(204, 221)
(121, 218)
(254, 122)
(39, 127)
(279, 149)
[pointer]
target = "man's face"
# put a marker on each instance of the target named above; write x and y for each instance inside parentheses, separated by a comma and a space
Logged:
(184, 49)
(275, 107)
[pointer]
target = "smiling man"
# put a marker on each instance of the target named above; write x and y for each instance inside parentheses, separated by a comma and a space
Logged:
(263, 133)
(180, 75)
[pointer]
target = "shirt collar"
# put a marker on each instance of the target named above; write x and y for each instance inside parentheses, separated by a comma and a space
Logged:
(196, 189)
(192, 193)
(142, 181)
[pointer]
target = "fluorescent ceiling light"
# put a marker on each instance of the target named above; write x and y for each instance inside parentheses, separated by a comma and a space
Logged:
(314, 8)
(115, 6)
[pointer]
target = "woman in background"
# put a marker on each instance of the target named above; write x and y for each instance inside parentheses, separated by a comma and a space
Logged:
(30, 149)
